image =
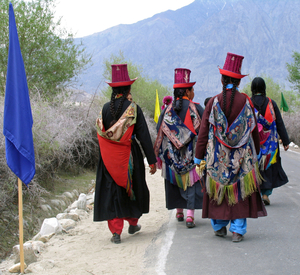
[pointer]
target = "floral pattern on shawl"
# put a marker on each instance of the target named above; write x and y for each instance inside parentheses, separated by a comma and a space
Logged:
(231, 159)
(175, 147)
(269, 147)
(116, 132)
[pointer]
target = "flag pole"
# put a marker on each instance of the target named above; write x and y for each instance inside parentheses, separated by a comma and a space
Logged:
(21, 225)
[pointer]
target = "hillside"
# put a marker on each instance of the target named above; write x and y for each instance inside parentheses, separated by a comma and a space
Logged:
(198, 37)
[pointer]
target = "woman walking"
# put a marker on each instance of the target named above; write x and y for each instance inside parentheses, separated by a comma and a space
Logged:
(271, 126)
(228, 141)
(178, 127)
(121, 190)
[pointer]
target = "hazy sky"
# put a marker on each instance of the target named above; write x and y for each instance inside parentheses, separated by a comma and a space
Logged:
(87, 17)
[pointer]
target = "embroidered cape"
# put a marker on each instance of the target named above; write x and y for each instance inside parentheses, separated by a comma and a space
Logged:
(115, 147)
(175, 146)
(231, 159)
(268, 136)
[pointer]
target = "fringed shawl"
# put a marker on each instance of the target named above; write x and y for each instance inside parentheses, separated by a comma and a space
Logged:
(115, 147)
(231, 159)
(175, 146)
(268, 137)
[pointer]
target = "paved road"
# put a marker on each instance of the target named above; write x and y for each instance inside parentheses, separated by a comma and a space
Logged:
(271, 245)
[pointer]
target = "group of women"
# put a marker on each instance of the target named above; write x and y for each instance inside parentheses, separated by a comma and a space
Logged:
(223, 159)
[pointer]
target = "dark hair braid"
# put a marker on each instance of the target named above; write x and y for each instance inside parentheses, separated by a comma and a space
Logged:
(235, 83)
(124, 90)
(178, 92)
(226, 81)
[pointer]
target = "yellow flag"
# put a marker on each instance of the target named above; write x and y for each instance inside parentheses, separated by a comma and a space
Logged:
(157, 108)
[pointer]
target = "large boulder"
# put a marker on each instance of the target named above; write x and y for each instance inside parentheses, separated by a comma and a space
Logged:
(29, 255)
(50, 226)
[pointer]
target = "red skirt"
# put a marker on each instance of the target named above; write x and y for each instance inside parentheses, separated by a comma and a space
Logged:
(251, 207)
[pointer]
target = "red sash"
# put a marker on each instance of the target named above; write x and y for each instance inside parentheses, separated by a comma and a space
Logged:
(115, 155)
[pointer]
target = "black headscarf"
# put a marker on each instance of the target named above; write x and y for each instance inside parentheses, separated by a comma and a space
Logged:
(258, 86)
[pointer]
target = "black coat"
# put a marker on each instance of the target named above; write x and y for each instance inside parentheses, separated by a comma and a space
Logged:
(111, 200)
(274, 176)
(176, 197)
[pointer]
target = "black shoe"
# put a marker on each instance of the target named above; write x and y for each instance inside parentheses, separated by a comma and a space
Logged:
(116, 238)
(221, 232)
(190, 224)
(133, 228)
(266, 200)
(179, 216)
(236, 237)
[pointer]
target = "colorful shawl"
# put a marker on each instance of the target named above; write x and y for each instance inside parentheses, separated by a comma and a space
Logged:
(268, 136)
(231, 159)
(175, 146)
(115, 147)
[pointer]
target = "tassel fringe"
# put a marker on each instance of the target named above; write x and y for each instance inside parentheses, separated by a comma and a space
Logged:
(241, 189)
(182, 181)
(129, 182)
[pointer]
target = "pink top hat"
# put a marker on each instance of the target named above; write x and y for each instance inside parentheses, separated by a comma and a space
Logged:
(233, 66)
(119, 76)
(182, 78)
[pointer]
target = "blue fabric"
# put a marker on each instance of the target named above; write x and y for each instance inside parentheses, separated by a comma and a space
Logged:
(218, 224)
(197, 161)
(267, 192)
(238, 225)
(230, 86)
(17, 124)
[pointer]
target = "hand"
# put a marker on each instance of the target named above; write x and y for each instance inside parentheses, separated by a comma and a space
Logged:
(152, 169)
(286, 147)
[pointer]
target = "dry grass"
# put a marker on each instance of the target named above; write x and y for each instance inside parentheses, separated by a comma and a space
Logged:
(292, 124)
(65, 144)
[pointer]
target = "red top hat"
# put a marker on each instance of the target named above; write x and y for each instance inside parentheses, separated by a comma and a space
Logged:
(233, 66)
(182, 78)
(119, 76)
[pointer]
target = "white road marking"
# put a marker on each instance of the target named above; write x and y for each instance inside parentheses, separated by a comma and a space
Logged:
(164, 251)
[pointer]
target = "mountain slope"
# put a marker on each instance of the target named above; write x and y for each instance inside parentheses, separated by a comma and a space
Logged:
(198, 37)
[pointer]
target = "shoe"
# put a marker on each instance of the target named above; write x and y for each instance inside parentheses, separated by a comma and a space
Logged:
(179, 216)
(190, 222)
(221, 232)
(116, 238)
(266, 200)
(134, 228)
(236, 237)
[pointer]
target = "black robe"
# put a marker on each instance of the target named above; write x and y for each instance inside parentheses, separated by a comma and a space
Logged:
(176, 197)
(111, 200)
(274, 176)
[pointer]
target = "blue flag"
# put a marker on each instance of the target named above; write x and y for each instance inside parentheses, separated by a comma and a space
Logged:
(17, 124)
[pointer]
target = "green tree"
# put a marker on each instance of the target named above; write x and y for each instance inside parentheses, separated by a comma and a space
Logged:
(52, 59)
(294, 71)
(273, 91)
(143, 90)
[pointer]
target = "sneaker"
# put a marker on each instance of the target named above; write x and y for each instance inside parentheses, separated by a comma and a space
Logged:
(221, 232)
(134, 228)
(190, 222)
(116, 238)
(236, 237)
(179, 216)
(266, 200)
